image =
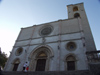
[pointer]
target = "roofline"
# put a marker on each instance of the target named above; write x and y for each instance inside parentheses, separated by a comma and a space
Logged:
(47, 23)
(75, 4)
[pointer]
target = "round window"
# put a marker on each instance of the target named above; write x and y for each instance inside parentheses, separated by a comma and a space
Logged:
(71, 46)
(46, 30)
(19, 51)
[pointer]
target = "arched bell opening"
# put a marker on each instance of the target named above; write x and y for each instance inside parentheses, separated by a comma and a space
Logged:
(75, 8)
(76, 15)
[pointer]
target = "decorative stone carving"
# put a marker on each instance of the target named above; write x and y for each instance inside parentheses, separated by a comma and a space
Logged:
(43, 40)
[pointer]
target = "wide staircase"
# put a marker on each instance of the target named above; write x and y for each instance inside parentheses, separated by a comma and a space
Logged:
(84, 72)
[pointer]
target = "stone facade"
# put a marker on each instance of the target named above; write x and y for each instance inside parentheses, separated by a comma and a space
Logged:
(57, 45)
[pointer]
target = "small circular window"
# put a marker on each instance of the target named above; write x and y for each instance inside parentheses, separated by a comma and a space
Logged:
(19, 51)
(71, 46)
(46, 30)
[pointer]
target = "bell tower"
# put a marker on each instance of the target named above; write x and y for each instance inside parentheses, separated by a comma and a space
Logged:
(77, 11)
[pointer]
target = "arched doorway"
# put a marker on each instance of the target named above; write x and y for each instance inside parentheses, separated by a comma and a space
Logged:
(40, 59)
(70, 62)
(15, 65)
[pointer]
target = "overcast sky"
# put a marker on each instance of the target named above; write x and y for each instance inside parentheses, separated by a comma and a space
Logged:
(16, 14)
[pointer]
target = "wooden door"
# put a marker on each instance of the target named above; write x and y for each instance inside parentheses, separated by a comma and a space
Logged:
(70, 65)
(15, 67)
(40, 66)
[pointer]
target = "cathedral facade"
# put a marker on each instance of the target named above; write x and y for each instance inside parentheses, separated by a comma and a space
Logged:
(56, 46)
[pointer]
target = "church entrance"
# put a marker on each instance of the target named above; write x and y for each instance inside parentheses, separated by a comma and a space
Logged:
(15, 67)
(70, 62)
(70, 65)
(41, 61)
(15, 64)
(41, 65)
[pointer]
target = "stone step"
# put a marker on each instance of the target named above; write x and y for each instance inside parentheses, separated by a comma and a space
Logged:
(86, 72)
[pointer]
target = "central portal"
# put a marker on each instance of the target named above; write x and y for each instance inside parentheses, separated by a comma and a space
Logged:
(41, 61)
(40, 66)
(40, 58)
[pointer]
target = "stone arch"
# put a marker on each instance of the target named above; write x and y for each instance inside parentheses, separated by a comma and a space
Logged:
(16, 60)
(76, 15)
(75, 8)
(41, 54)
(15, 63)
(72, 55)
(34, 57)
(70, 62)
